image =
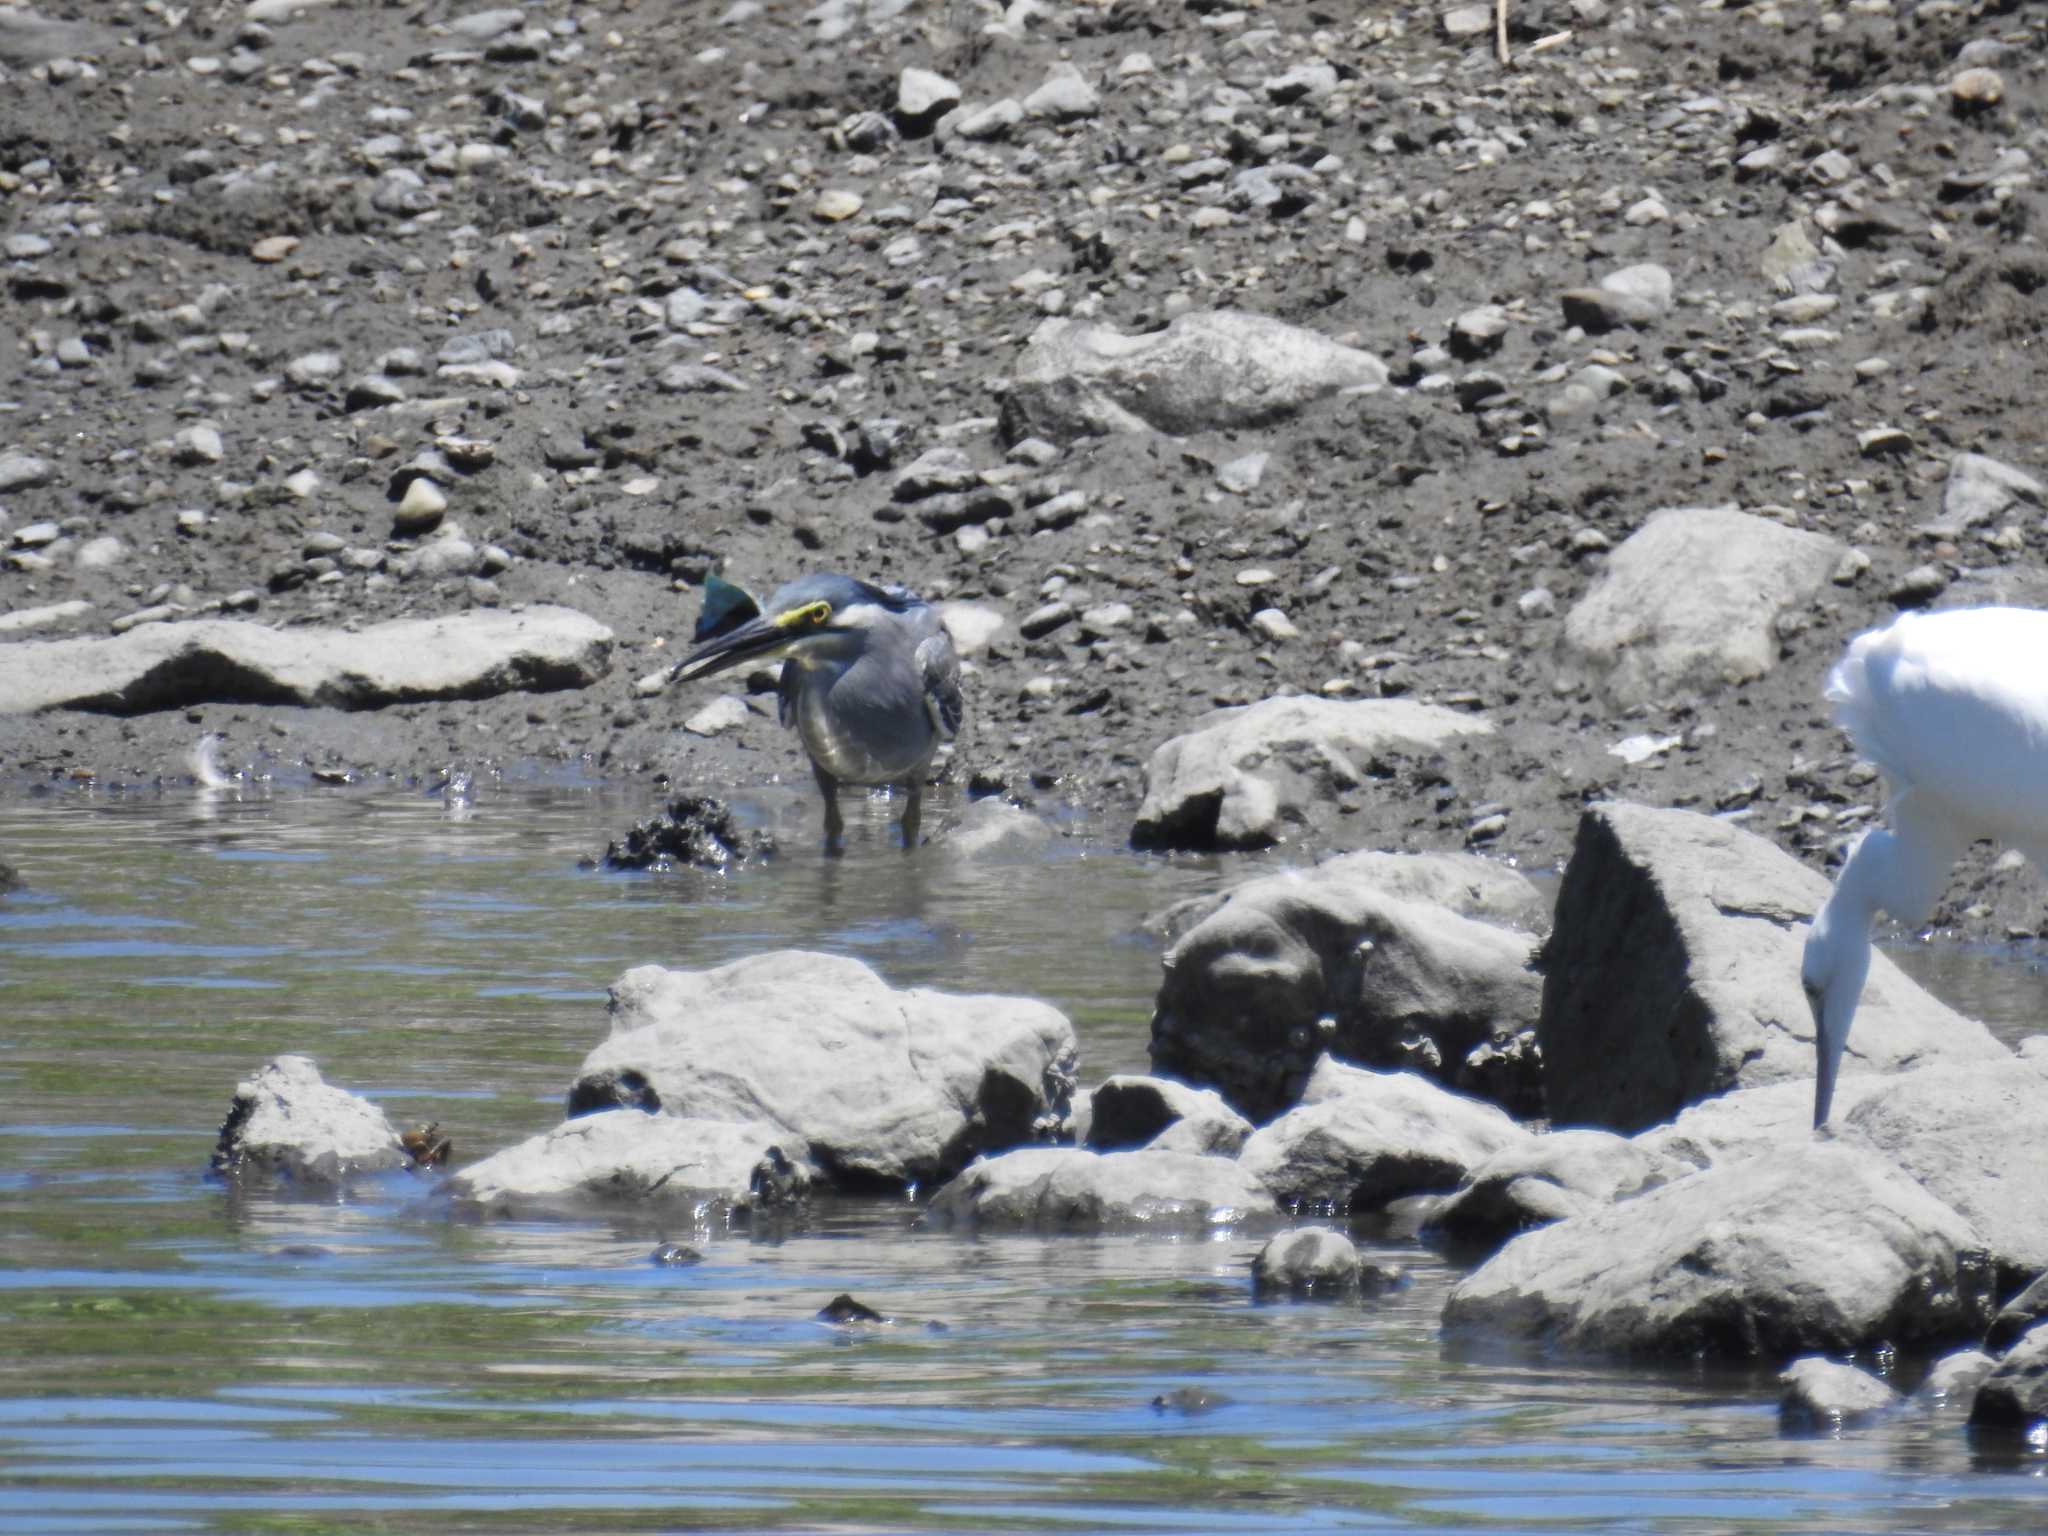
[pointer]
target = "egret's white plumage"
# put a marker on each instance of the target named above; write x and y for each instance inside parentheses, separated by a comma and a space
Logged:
(1953, 709)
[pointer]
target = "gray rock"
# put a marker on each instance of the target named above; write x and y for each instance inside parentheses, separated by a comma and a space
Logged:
(1975, 1134)
(1816, 1248)
(1359, 1140)
(1689, 601)
(1240, 776)
(1529, 1185)
(995, 831)
(1467, 883)
(1311, 81)
(1980, 490)
(2013, 1401)
(482, 26)
(1295, 965)
(1130, 1111)
(1309, 1264)
(623, 1155)
(873, 1084)
(1672, 974)
(1067, 1189)
(288, 1122)
(1065, 96)
(23, 472)
(993, 121)
(473, 655)
(1210, 370)
(1953, 1380)
(1748, 1122)
(21, 620)
(1818, 1396)
(2018, 1316)
(1633, 296)
(923, 97)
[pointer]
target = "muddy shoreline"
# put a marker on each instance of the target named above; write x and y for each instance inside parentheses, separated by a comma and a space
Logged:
(707, 294)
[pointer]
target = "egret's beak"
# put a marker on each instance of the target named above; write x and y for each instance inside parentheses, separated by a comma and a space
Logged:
(755, 640)
(1827, 1047)
(1834, 1010)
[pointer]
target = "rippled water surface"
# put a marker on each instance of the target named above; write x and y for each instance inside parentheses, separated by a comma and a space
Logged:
(175, 1355)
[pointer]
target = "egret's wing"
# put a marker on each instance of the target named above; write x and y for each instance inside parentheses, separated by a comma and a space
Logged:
(938, 670)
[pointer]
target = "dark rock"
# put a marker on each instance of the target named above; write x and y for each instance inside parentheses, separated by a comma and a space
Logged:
(1672, 974)
(843, 1311)
(697, 830)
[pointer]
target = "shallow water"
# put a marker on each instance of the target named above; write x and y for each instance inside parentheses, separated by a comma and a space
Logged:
(175, 1355)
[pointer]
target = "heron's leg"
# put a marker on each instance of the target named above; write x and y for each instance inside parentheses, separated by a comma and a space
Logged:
(835, 824)
(913, 812)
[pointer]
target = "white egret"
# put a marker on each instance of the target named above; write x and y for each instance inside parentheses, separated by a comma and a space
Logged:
(1952, 707)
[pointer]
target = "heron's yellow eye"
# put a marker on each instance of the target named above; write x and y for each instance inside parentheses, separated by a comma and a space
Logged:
(815, 614)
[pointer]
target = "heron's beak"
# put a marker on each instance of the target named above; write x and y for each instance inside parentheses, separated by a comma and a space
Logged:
(755, 640)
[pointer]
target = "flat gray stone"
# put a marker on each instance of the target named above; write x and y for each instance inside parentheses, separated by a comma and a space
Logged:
(1210, 370)
(1980, 490)
(871, 1083)
(1067, 1189)
(1975, 1134)
(1240, 777)
(1359, 1140)
(472, 655)
(1817, 1248)
(1689, 602)
(624, 1156)
(1556, 1176)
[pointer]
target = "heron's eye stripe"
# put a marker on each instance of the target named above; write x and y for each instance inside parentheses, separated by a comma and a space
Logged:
(808, 616)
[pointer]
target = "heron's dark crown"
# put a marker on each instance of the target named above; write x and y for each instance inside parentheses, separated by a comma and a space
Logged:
(841, 592)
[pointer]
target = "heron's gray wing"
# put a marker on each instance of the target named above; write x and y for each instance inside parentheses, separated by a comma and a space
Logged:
(938, 669)
(785, 694)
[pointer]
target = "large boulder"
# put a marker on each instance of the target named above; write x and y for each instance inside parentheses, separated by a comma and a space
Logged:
(1360, 1139)
(288, 1122)
(1817, 1248)
(1211, 370)
(1467, 883)
(1976, 1136)
(472, 655)
(874, 1085)
(1068, 1189)
(1672, 973)
(1130, 1111)
(1689, 602)
(1242, 776)
(1550, 1178)
(1299, 964)
(627, 1156)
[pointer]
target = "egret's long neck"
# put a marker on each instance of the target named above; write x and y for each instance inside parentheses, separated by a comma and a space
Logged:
(1900, 872)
